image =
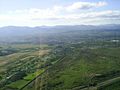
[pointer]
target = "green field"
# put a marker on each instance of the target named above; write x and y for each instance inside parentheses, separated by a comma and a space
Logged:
(18, 84)
(31, 76)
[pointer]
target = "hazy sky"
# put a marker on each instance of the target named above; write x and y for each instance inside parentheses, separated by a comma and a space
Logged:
(58, 12)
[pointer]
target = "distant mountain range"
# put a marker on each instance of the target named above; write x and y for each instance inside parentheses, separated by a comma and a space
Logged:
(55, 33)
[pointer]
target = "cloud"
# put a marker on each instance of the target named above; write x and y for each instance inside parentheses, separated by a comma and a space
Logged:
(85, 5)
(55, 12)
(61, 15)
(79, 6)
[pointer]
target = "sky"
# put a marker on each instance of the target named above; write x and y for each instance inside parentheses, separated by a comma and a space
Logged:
(58, 12)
